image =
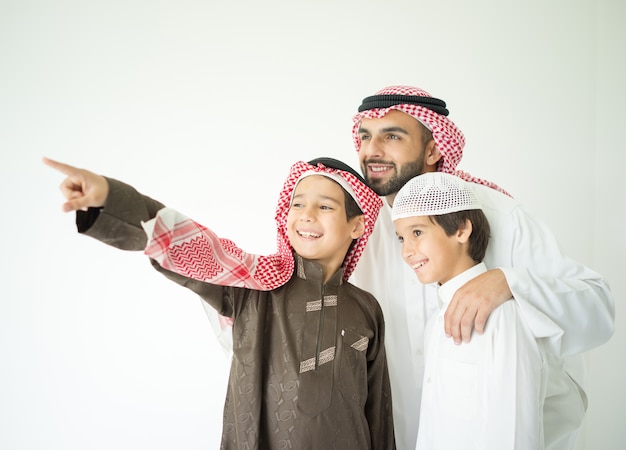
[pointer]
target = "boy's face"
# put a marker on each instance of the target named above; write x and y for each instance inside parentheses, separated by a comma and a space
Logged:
(434, 256)
(316, 223)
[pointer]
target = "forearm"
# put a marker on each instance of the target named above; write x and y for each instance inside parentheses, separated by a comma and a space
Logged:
(541, 278)
(220, 298)
(577, 300)
(118, 223)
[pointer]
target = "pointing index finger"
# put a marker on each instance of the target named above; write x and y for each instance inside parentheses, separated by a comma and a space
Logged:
(61, 167)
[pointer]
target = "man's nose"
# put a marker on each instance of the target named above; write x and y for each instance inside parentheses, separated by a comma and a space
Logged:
(372, 148)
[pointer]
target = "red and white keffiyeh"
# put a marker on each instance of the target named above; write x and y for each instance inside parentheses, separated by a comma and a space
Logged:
(183, 246)
(449, 139)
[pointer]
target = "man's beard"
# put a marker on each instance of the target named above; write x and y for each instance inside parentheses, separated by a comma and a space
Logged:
(392, 186)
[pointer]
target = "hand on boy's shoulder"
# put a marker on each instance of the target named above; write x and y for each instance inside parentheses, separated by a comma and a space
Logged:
(82, 189)
(473, 303)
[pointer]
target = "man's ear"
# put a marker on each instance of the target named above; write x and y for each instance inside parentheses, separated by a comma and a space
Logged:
(358, 228)
(464, 232)
(432, 155)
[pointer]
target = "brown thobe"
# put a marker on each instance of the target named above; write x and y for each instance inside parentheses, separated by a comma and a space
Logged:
(309, 369)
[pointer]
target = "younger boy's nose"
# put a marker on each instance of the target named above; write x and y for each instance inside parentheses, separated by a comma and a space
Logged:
(306, 216)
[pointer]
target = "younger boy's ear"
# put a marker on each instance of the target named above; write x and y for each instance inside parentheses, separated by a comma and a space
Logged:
(358, 228)
(464, 231)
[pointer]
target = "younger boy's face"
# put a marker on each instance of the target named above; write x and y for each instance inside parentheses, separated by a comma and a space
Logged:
(317, 226)
(434, 256)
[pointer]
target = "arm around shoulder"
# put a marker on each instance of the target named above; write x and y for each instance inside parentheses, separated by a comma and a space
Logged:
(574, 297)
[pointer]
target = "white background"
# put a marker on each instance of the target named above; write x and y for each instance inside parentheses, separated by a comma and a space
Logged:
(204, 105)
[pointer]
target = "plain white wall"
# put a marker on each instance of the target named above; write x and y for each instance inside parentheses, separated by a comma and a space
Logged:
(204, 106)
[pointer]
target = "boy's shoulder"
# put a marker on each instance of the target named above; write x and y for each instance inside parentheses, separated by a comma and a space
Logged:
(362, 296)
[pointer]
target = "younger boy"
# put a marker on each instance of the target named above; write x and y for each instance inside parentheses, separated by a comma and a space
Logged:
(488, 393)
(309, 369)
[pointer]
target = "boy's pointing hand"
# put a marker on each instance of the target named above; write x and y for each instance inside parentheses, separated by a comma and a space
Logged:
(82, 189)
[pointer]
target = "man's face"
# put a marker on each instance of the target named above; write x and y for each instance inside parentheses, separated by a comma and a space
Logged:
(392, 152)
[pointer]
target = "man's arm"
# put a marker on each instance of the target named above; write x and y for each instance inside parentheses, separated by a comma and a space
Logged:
(474, 302)
(550, 287)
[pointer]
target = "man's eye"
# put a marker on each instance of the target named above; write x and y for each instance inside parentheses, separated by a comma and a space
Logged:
(393, 137)
(364, 137)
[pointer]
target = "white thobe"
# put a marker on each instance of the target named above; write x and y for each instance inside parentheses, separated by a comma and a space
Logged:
(562, 301)
(487, 394)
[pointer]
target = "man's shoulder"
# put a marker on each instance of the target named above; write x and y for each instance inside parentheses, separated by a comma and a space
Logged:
(495, 201)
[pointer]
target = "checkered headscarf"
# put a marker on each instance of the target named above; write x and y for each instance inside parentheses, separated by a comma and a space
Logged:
(183, 246)
(430, 112)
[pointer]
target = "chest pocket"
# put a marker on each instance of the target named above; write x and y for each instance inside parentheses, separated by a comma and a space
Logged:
(458, 388)
(352, 355)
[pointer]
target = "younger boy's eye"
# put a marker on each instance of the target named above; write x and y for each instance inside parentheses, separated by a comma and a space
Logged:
(417, 233)
(400, 238)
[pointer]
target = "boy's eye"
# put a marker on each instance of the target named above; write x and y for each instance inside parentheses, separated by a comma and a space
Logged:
(400, 238)
(325, 207)
(417, 233)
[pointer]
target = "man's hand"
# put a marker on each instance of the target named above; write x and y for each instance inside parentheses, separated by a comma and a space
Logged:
(81, 188)
(472, 304)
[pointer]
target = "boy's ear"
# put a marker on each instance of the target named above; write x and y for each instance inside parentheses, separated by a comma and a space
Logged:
(464, 232)
(359, 227)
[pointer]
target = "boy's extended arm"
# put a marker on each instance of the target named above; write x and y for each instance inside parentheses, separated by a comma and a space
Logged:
(118, 222)
(106, 209)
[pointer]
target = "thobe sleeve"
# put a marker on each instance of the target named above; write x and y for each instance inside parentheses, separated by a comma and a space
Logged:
(561, 299)
(118, 224)
(378, 407)
(514, 384)
(220, 298)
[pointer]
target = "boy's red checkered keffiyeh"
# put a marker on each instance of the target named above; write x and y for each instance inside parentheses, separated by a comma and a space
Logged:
(183, 246)
(447, 136)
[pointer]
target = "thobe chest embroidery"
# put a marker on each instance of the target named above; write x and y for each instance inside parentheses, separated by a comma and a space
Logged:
(325, 355)
(329, 300)
(361, 344)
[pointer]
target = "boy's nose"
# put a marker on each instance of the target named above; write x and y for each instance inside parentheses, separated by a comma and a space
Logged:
(407, 252)
(306, 215)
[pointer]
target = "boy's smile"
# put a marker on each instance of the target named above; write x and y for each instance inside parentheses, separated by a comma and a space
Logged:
(317, 225)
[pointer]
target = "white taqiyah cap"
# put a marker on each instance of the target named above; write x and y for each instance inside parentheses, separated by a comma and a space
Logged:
(433, 194)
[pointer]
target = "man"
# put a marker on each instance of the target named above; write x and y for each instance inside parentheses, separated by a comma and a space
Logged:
(402, 132)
